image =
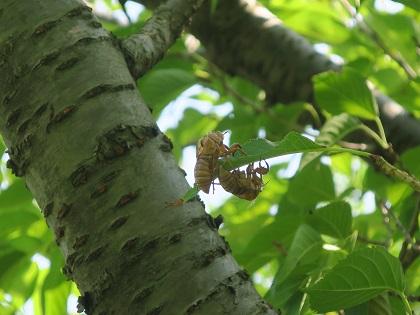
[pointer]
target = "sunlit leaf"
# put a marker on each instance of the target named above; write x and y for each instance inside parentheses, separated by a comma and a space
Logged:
(14, 195)
(365, 273)
(56, 288)
(345, 92)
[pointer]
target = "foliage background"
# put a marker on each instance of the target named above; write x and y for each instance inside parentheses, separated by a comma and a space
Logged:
(316, 215)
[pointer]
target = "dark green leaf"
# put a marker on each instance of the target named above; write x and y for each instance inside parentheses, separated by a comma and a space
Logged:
(305, 248)
(312, 185)
(281, 293)
(345, 92)
(161, 86)
(365, 273)
(334, 219)
(415, 4)
(264, 245)
(379, 305)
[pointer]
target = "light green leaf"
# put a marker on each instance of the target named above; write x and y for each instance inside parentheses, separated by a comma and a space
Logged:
(345, 92)
(161, 86)
(14, 195)
(365, 273)
(16, 219)
(56, 288)
(261, 149)
(334, 129)
(191, 193)
(334, 219)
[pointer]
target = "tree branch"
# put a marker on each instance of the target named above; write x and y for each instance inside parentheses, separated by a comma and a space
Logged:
(142, 51)
(408, 255)
(243, 38)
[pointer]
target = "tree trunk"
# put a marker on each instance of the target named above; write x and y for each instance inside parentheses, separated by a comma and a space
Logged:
(95, 161)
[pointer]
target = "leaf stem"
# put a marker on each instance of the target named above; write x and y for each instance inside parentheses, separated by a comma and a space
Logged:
(406, 304)
(381, 129)
(374, 136)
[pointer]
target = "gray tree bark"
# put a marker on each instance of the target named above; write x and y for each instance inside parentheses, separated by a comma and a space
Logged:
(95, 161)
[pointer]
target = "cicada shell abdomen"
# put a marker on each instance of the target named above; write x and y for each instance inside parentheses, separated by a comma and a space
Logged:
(205, 172)
(240, 184)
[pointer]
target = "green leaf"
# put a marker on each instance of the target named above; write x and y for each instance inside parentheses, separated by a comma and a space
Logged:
(334, 219)
(280, 119)
(379, 305)
(213, 5)
(365, 273)
(334, 129)
(305, 248)
(161, 86)
(14, 195)
(345, 92)
(262, 247)
(415, 4)
(398, 31)
(16, 219)
(282, 292)
(410, 161)
(312, 185)
(261, 149)
(191, 193)
(55, 289)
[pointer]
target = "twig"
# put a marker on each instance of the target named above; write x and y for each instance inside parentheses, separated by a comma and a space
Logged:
(408, 255)
(392, 171)
(389, 212)
(365, 28)
(363, 239)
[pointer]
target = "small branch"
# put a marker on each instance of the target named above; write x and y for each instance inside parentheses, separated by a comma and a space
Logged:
(142, 51)
(365, 28)
(409, 250)
(374, 136)
(363, 239)
(387, 211)
(392, 171)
